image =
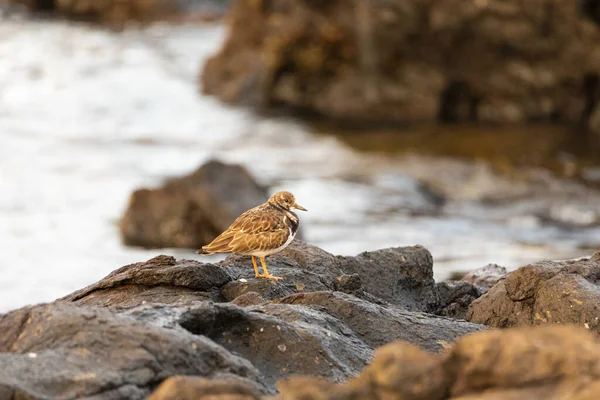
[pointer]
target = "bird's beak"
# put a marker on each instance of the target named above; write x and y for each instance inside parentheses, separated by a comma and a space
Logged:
(299, 207)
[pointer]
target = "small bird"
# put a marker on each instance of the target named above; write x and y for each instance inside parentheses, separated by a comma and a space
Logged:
(261, 231)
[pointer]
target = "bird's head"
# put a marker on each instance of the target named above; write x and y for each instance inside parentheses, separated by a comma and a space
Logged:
(285, 200)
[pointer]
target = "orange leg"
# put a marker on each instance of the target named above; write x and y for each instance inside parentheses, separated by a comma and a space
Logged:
(266, 272)
(256, 274)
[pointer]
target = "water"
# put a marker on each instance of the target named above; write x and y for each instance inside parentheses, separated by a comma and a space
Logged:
(88, 115)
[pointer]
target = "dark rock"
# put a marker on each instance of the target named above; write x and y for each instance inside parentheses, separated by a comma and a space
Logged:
(485, 277)
(282, 340)
(378, 325)
(402, 276)
(525, 363)
(347, 283)
(159, 280)
(548, 292)
(194, 388)
(64, 351)
(248, 299)
(493, 61)
(455, 298)
(190, 212)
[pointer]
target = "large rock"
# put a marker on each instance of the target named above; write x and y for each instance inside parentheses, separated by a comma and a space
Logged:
(402, 276)
(64, 351)
(564, 292)
(122, 336)
(190, 212)
(497, 61)
(527, 363)
(326, 334)
(159, 280)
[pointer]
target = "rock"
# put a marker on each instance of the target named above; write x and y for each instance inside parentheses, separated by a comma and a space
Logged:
(281, 340)
(347, 283)
(525, 363)
(249, 299)
(65, 351)
(401, 276)
(378, 325)
(112, 11)
(159, 280)
(455, 298)
(548, 292)
(190, 212)
(485, 277)
(194, 388)
(491, 61)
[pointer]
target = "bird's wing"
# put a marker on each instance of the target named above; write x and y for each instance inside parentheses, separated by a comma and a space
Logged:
(254, 230)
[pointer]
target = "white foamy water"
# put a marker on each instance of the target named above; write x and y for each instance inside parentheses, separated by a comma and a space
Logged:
(88, 115)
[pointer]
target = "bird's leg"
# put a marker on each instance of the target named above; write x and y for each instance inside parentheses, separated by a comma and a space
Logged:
(256, 274)
(266, 272)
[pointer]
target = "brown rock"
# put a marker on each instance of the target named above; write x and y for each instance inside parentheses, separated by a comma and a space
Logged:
(195, 388)
(190, 212)
(526, 363)
(494, 61)
(544, 293)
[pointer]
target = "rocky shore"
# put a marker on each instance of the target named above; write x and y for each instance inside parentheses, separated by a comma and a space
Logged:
(335, 328)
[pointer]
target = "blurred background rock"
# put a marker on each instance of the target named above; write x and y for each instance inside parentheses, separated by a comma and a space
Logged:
(469, 127)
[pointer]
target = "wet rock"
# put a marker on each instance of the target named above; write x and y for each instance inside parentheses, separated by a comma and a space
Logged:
(159, 280)
(194, 388)
(190, 212)
(112, 11)
(485, 277)
(65, 351)
(565, 292)
(378, 325)
(455, 298)
(493, 61)
(526, 363)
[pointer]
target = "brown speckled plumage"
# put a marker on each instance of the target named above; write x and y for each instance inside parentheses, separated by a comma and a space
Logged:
(261, 231)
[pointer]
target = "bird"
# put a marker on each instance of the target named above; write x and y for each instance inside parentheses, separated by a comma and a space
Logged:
(261, 231)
